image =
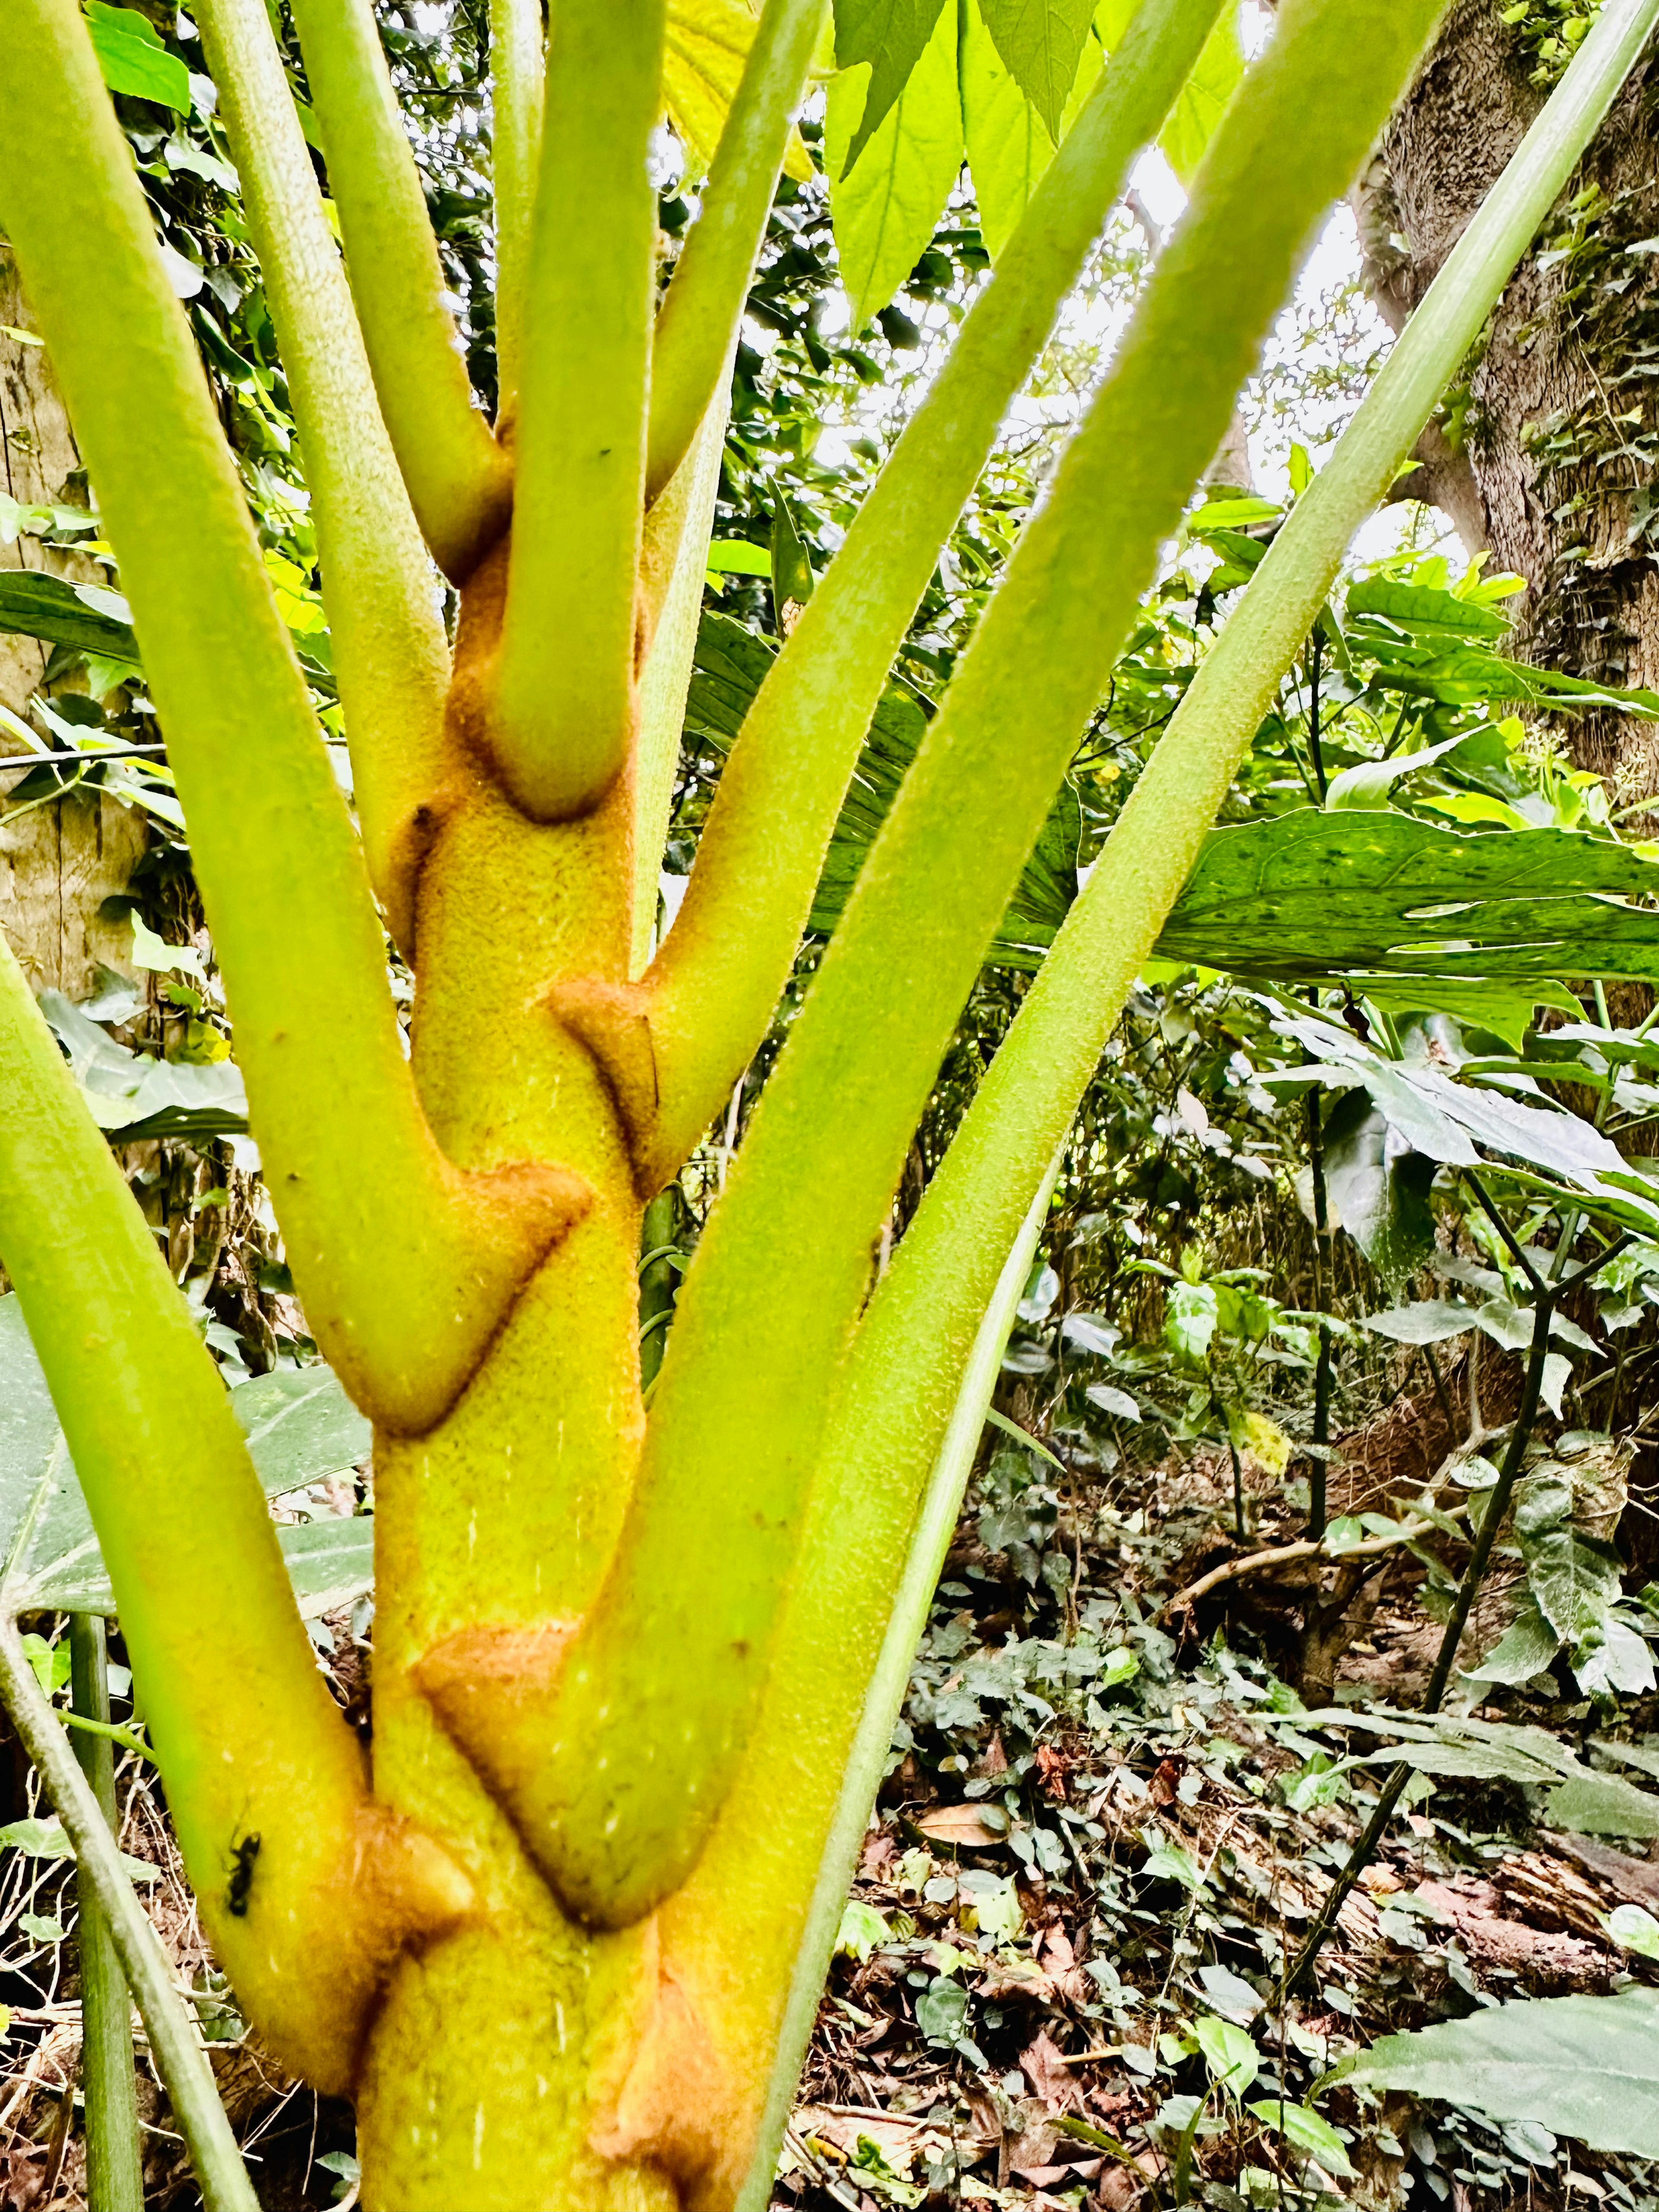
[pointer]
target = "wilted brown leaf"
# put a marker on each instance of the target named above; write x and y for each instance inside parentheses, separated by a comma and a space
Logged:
(1044, 2067)
(967, 1827)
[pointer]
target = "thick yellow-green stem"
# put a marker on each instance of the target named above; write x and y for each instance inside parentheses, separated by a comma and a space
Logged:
(560, 719)
(390, 655)
(493, 2063)
(516, 62)
(252, 1745)
(406, 1266)
(459, 479)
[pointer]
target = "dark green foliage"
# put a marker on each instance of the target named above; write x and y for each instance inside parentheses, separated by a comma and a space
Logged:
(1375, 894)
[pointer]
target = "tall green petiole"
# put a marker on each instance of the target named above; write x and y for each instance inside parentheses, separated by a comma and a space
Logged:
(831, 1532)
(390, 655)
(558, 721)
(516, 66)
(459, 479)
(255, 1745)
(704, 301)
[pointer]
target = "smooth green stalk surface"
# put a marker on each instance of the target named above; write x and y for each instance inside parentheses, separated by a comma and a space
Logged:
(925, 1304)
(405, 1267)
(563, 723)
(178, 2058)
(905, 1610)
(458, 479)
(716, 981)
(677, 532)
(516, 62)
(390, 655)
(657, 1694)
(697, 320)
(115, 2169)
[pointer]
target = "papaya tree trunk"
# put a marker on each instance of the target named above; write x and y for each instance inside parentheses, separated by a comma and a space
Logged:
(556, 1935)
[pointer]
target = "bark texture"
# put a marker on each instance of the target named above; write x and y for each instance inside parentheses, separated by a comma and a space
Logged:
(58, 862)
(1546, 451)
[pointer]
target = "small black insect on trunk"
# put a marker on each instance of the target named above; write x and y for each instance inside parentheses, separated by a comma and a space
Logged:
(243, 1856)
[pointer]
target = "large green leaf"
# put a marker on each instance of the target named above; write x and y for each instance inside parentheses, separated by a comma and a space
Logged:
(1583, 2067)
(705, 44)
(1526, 1646)
(891, 36)
(1312, 896)
(885, 199)
(1574, 1580)
(82, 617)
(1008, 149)
(132, 59)
(1430, 1320)
(1204, 97)
(1008, 146)
(1603, 1805)
(300, 1428)
(1379, 1195)
(1465, 674)
(1584, 1799)
(1476, 926)
(1453, 1123)
(331, 1562)
(729, 665)
(132, 1097)
(1041, 43)
(1424, 612)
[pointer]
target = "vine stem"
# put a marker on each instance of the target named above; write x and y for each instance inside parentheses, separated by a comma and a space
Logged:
(1323, 1281)
(1316, 655)
(115, 2170)
(178, 2058)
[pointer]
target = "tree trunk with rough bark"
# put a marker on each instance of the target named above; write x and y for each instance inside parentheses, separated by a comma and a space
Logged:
(1545, 452)
(58, 863)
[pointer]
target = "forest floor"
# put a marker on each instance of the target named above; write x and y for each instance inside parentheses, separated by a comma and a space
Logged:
(1013, 2019)
(1108, 1822)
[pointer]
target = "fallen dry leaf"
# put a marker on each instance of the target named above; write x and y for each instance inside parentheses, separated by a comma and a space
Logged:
(1052, 1767)
(1167, 1780)
(1044, 2067)
(1118, 2188)
(964, 1826)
